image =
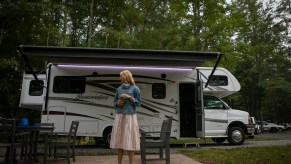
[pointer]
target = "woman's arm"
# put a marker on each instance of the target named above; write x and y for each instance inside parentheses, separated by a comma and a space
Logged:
(115, 99)
(135, 99)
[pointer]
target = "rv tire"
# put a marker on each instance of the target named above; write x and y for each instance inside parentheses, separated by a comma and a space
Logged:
(107, 136)
(236, 136)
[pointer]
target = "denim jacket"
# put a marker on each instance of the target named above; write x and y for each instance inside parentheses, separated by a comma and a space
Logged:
(128, 107)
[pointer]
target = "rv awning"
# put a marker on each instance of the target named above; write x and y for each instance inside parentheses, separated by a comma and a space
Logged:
(119, 57)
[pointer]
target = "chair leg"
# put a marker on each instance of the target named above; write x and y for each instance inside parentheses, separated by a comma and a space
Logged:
(55, 152)
(68, 153)
(167, 151)
(22, 151)
(26, 151)
(143, 155)
(74, 159)
(161, 152)
(50, 150)
(12, 154)
(8, 155)
(24, 148)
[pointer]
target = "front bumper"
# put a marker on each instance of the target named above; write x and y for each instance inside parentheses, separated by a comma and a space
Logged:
(250, 130)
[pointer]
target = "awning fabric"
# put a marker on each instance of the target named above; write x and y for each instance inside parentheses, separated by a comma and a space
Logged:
(118, 57)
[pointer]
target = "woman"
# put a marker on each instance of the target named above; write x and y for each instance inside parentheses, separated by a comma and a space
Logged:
(125, 132)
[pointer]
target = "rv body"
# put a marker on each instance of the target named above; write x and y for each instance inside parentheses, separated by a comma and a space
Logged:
(85, 93)
(32, 91)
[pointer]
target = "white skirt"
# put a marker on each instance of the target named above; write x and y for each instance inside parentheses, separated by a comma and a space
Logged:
(125, 133)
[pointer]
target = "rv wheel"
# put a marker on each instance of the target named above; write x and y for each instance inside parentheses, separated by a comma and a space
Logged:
(236, 136)
(107, 136)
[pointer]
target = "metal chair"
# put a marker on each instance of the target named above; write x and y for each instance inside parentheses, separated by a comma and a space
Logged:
(8, 130)
(70, 138)
(162, 143)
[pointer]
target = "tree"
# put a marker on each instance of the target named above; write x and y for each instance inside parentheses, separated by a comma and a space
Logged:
(20, 27)
(258, 44)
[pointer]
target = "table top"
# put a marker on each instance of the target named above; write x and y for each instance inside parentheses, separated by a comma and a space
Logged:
(35, 128)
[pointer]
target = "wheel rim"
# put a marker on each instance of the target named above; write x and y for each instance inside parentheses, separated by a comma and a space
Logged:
(237, 136)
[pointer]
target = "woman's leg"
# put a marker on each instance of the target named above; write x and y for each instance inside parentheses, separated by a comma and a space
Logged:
(130, 156)
(120, 155)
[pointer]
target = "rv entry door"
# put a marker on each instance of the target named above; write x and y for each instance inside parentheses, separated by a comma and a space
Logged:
(199, 110)
(187, 110)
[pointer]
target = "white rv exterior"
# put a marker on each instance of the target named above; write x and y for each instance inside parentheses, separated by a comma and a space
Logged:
(32, 95)
(85, 92)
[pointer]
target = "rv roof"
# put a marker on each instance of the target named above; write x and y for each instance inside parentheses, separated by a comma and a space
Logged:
(119, 57)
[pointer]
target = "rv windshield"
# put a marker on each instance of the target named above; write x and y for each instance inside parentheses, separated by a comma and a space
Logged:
(212, 102)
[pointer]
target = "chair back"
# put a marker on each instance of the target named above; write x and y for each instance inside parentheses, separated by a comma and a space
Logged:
(166, 126)
(7, 128)
(74, 129)
(7, 125)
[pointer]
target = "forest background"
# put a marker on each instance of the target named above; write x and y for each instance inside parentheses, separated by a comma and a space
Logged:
(253, 35)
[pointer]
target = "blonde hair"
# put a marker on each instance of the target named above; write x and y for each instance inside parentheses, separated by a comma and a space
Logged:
(128, 76)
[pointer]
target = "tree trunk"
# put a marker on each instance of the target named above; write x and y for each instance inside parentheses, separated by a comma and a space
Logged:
(64, 33)
(196, 30)
(47, 38)
(2, 35)
(90, 32)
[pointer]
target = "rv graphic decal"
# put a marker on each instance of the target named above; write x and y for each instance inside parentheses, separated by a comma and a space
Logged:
(144, 105)
(70, 100)
(111, 95)
(166, 105)
(70, 114)
(154, 106)
(216, 120)
(99, 97)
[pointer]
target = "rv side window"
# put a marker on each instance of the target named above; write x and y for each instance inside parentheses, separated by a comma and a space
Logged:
(35, 88)
(218, 80)
(69, 84)
(158, 90)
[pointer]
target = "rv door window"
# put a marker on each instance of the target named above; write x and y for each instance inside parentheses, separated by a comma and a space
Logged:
(158, 90)
(35, 88)
(69, 84)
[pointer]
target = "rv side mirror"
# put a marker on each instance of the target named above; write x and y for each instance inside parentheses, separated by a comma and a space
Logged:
(221, 106)
(230, 103)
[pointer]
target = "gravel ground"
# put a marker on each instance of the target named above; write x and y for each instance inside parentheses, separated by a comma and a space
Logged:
(279, 135)
(280, 139)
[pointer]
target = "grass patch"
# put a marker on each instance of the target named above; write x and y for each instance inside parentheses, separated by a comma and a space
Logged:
(195, 140)
(253, 155)
(209, 140)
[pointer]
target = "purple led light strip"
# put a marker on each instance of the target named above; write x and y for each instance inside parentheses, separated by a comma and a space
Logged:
(125, 67)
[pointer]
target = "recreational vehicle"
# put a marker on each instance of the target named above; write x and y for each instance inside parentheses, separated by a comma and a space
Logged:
(80, 83)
